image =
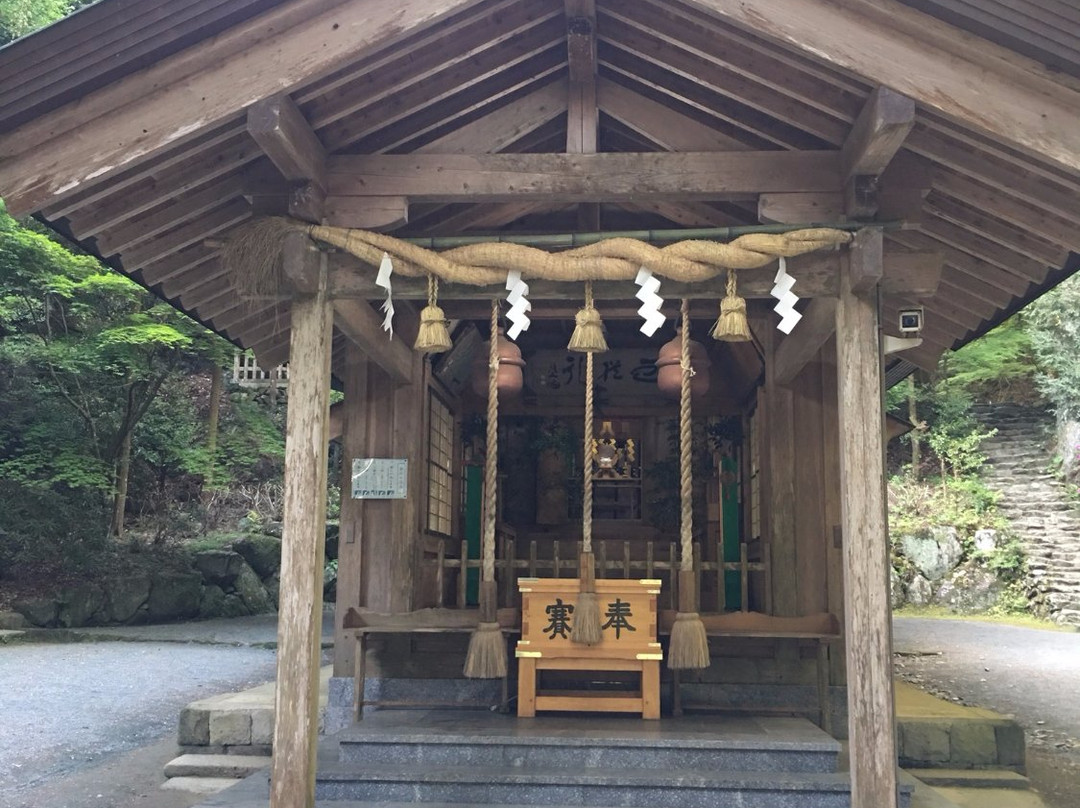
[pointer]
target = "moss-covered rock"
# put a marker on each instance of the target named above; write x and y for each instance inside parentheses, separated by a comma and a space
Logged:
(174, 596)
(262, 553)
(125, 596)
(212, 602)
(251, 591)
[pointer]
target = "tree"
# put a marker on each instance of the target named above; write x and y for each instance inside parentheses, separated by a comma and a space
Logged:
(21, 17)
(91, 342)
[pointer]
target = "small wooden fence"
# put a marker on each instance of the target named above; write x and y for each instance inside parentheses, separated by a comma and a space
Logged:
(614, 559)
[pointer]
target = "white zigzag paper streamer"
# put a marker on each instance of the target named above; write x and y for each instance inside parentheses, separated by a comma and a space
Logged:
(382, 280)
(519, 320)
(787, 299)
(651, 302)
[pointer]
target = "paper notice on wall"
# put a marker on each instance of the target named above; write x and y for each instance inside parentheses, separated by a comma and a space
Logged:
(380, 478)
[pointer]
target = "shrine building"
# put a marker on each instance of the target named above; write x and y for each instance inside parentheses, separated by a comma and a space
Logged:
(612, 291)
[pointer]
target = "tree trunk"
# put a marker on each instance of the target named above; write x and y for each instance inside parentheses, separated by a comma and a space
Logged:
(913, 417)
(216, 382)
(123, 467)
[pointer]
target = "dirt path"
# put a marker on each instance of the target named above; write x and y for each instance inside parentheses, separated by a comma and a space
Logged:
(1030, 674)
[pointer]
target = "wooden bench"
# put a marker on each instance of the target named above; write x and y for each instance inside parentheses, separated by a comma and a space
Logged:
(821, 630)
(363, 624)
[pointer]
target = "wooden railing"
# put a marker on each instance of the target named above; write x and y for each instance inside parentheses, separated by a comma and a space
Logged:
(614, 559)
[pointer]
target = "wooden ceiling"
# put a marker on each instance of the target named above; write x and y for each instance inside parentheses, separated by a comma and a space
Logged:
(134, 127)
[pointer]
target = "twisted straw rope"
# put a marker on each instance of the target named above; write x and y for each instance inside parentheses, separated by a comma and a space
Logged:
(611, 259)
(490, 470)
(686, 526)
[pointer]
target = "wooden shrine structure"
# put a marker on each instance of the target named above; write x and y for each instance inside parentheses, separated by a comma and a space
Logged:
(942, 133)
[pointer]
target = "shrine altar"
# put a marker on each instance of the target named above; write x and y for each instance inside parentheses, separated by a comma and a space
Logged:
(629, 643)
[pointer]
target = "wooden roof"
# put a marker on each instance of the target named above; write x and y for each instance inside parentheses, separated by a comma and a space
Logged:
(127, 125)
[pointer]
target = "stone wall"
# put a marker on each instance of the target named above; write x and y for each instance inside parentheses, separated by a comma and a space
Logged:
(933, 567)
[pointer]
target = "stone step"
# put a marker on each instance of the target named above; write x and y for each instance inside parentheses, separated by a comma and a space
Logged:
(971, 778)
(579, 786)
(198, 785)
(234, 766)
(804, 748)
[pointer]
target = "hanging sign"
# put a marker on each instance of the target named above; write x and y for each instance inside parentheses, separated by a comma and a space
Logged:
(380, 478)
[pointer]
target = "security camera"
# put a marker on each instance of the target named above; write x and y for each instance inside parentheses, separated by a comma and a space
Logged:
(911, 321)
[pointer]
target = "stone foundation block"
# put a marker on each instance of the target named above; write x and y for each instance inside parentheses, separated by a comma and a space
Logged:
(230, 728)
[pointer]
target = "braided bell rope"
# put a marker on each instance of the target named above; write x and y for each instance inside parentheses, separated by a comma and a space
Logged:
(686, 478)
(587, 486)
(490, 470)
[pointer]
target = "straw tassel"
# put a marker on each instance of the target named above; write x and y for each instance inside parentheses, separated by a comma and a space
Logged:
(587, 624)
(689, 647)
(732, 325)
(486, 658)
(588, 336)
(433, 336)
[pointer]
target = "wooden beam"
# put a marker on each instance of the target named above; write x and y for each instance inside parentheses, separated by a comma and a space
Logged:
(359, 322)
(367, 213)
(296, 701)
(878, 133)
(581, 178)
(102, 134)
(350, 559)
(667, 127)
(191, 233)
(866, 265)
(582, 114)
(802, 345)
(506, 124)
(868, 619)
(280, 129)
(977, 83)
(801, 208)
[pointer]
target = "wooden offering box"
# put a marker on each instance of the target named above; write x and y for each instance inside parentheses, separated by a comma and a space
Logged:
(628, 614)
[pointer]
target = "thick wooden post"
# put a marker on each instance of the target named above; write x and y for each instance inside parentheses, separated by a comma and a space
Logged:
(296, 703)
(354, 443)
(871, 719)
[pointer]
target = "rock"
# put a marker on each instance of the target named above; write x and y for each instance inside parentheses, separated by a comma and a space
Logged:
(124, 597)
(252, 592)
(986, 540)
(174, 596)
(970, 589)
(219, 566)
(262, 553)
(273, 588)
(194, 727)
(234, 606)
(934, 553)
(82, 605)
(12, 621)
(273, 529)
(38, 611)
(212, 602)
(896, 589)
(919, 591)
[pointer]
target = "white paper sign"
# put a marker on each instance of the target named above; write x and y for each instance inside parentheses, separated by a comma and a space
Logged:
(380, 478)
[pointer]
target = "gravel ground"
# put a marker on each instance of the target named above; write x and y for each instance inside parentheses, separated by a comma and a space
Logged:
(1030, 674)
(69, 707)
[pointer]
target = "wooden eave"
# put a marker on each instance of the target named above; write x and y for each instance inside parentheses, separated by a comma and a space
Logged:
(486, 76)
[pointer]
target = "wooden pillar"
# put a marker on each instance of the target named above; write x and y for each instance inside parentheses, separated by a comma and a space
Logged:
(778, 489)
(353, 445)
(871, 719)
(296, 702)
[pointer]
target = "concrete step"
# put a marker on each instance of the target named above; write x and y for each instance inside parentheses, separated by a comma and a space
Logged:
(579, 786)
(198, 785)
(220, 766)
(971, 778)
(803, 747)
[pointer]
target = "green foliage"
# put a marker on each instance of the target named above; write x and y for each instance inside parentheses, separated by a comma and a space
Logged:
(966, 504)
(21, 17)
(1054, 327)
(1000, 364)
